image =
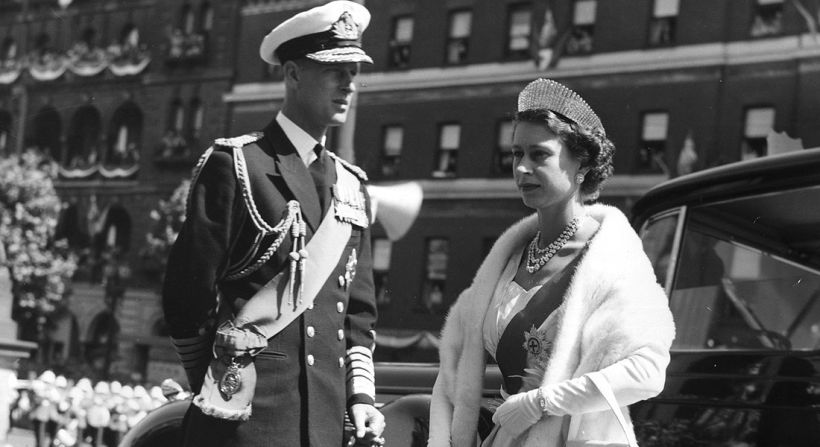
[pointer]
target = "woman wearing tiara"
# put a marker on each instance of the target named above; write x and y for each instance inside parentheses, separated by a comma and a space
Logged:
(566, 301)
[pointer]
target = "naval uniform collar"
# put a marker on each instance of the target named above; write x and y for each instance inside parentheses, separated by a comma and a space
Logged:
(301, 140)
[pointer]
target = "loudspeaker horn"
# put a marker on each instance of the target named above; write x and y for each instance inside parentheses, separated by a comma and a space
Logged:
(395, 206)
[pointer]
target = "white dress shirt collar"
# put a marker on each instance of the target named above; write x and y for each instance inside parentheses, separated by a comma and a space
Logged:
(301, 140)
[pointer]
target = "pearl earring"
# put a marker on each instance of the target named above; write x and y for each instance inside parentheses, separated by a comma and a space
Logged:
(579, 178)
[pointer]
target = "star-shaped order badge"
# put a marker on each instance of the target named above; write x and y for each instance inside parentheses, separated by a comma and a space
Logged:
(537, 345)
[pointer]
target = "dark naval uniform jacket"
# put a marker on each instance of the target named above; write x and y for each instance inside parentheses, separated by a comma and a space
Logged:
(214, 268)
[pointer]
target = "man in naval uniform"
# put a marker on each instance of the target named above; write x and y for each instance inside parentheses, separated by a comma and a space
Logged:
(257, 207)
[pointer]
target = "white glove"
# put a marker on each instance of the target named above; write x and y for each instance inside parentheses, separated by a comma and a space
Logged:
(519, 412)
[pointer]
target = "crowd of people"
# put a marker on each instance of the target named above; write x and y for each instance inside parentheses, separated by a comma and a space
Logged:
(63, 412)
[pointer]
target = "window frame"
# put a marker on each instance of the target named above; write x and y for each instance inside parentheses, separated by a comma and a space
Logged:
(390, 162)
(452, 40)
(400, 51)
(503, 150)
(451, 153)
(761, 26)
(663, 19)
(523, 53)
(428, 283)
(752, 143)
(648, 148)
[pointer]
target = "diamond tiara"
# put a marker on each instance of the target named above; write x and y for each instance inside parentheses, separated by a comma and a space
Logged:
(548, 94)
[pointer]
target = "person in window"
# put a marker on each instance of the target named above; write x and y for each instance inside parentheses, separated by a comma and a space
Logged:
(268, 291)
(566, 300)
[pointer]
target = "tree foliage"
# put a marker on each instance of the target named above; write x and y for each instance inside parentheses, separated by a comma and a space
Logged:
(40, 266)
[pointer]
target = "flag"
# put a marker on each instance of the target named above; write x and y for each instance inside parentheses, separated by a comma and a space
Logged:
(687, 158)
(546, 39)
(808, 17)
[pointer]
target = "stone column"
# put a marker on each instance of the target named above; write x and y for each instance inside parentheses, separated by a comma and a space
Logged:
(11, 349)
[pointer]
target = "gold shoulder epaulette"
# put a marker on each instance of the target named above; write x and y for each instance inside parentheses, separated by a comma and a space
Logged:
(242, 140)
(350, 166)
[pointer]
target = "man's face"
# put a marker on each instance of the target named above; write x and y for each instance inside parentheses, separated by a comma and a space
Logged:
(325, 91)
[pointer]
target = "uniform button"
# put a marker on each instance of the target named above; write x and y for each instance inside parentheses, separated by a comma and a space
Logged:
(310, 307)
(340, 307)
(310, 359)
(341, 362)
(341, 334)
(311, 331)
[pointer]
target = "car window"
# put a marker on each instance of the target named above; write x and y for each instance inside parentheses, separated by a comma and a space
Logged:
(658, 236)
(735, 289)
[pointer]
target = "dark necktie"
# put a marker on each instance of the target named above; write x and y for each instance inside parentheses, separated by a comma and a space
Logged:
(317, 171)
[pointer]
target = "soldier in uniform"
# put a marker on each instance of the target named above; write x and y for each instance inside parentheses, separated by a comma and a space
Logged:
(277, 211)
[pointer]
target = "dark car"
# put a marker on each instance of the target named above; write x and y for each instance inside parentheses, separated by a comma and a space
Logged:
(737, 248)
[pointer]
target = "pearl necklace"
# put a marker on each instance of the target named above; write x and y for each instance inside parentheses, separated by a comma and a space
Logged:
(537, 257)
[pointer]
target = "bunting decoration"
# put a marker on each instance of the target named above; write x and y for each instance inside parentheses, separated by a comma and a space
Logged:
(81, 60)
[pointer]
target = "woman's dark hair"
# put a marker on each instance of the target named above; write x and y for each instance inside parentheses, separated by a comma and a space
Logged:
(589, 146)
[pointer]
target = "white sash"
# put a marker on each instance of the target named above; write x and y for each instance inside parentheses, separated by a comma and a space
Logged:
(273, 306)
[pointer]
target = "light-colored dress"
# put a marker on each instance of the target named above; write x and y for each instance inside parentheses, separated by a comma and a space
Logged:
(508, 300)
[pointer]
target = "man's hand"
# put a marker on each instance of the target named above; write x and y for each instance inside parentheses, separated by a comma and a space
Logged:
(366, 418)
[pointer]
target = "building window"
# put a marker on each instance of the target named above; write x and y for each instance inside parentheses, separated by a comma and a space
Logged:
(758, 123)
(196, 115)
(45, 135)
(174, 144)
(393, 137)
(583, 27)
(84, 139)
(651, 157)
(519, 31)
(503, 145)
(186, 43)
(89, 38)
(124, 135)
(458, 36)
(8, 52)
(206, 18)
(382, 251)
(42, 43)
(177, 120)
(400, 42)
(768, 18)
(447, 155)
(436, 275)
(188, 21)
(662, 26)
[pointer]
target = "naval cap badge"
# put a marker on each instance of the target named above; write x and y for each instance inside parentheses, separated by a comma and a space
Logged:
(345, 28)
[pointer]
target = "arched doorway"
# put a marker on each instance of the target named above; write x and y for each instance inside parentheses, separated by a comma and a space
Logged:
(100, 345)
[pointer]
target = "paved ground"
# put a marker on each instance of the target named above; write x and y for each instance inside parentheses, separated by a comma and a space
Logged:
(19, 437)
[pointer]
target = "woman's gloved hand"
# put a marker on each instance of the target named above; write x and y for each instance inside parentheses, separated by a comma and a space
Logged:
(519, 412)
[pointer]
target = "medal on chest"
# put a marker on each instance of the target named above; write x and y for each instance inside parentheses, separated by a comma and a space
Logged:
(537, 345)
(350, 271)
(349, 205)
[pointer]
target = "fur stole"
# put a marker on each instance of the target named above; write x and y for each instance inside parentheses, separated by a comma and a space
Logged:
(613, 306)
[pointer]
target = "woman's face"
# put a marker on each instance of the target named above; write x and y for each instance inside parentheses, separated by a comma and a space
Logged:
(543, 167)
